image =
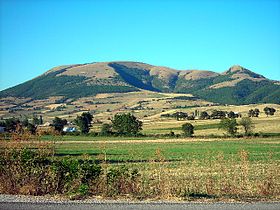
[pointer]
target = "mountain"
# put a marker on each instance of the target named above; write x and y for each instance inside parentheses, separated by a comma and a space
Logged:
(237, 85)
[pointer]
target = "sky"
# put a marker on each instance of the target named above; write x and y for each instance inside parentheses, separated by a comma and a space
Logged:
(37, 35)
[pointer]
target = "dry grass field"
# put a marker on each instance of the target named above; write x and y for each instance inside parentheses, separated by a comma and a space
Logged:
(207, 166)
(148, 106)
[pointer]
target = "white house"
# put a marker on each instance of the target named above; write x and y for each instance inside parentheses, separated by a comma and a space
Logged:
(69, 129)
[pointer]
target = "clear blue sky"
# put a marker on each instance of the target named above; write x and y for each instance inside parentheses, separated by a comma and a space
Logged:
(37, 35)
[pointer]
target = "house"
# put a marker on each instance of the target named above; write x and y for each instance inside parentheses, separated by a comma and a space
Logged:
(68, 129)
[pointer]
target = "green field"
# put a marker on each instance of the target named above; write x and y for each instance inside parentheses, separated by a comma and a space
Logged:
(179, 168)
(133, 149)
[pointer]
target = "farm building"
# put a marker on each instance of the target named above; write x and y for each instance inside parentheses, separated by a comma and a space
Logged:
(69, 129)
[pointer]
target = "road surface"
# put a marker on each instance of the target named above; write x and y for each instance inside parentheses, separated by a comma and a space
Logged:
(136, 206)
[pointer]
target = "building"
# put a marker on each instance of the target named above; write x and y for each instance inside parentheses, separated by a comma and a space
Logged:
(68, 129)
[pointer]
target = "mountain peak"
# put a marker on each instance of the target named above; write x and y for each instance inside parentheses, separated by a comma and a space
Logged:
(235, 68)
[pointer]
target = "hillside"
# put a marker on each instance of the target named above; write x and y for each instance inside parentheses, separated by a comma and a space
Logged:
(237, 85)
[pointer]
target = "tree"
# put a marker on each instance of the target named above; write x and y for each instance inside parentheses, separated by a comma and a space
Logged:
(204, 115)
(40, 120)
(106, 130)
(231, 114)
(59, 123)
(126, 124)
(247, 124)
(31, 128)
(87, 116)
(180, 115)
(187, 129)
(191, 117)
(269, 111)
(256, 112)
(216, 114)
(36, 120)
(25, 122)
(251, 113)
(84, 121)
(229, 125)
(11, 124)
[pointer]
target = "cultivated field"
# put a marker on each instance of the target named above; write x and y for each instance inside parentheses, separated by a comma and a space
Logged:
(154, 166)
(180, 169)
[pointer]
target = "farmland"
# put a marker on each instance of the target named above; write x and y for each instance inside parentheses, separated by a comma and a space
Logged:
(181, 169)
(209, 165)
(137, 150)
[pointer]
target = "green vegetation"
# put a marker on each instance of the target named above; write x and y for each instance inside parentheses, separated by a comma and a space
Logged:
(59, 123)
(36, 172)
(106, 130)
(126, 124)
(244, 92)
(84, 122)
(187, 129)
(130, 150)
(269, 111)
(229, 125)
(132, 78)
(254, 113)
(247, 124)
(50, 84)
(219, 169)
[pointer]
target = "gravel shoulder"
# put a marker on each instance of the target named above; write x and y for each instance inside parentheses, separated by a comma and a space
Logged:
(15, 202)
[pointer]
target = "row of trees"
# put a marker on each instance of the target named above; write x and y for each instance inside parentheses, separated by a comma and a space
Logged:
(128, 124)
(13, 124)
(83, 122)
(121, 124)
(217, 114)
(255, 112)
(230, 125)
(227, 124)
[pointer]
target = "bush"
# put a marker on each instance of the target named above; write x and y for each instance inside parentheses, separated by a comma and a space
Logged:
(187, 129)
(121, 180)
(106, 130)
(25, 170)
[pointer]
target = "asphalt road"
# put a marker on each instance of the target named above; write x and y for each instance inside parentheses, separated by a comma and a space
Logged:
(137, 206)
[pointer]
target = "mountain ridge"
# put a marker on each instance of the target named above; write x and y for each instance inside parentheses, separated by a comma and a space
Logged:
(237, 85)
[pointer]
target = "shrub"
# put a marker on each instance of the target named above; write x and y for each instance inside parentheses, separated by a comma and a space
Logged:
(121, 180)
(106, 130)
(25, 170)
(187, 129)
